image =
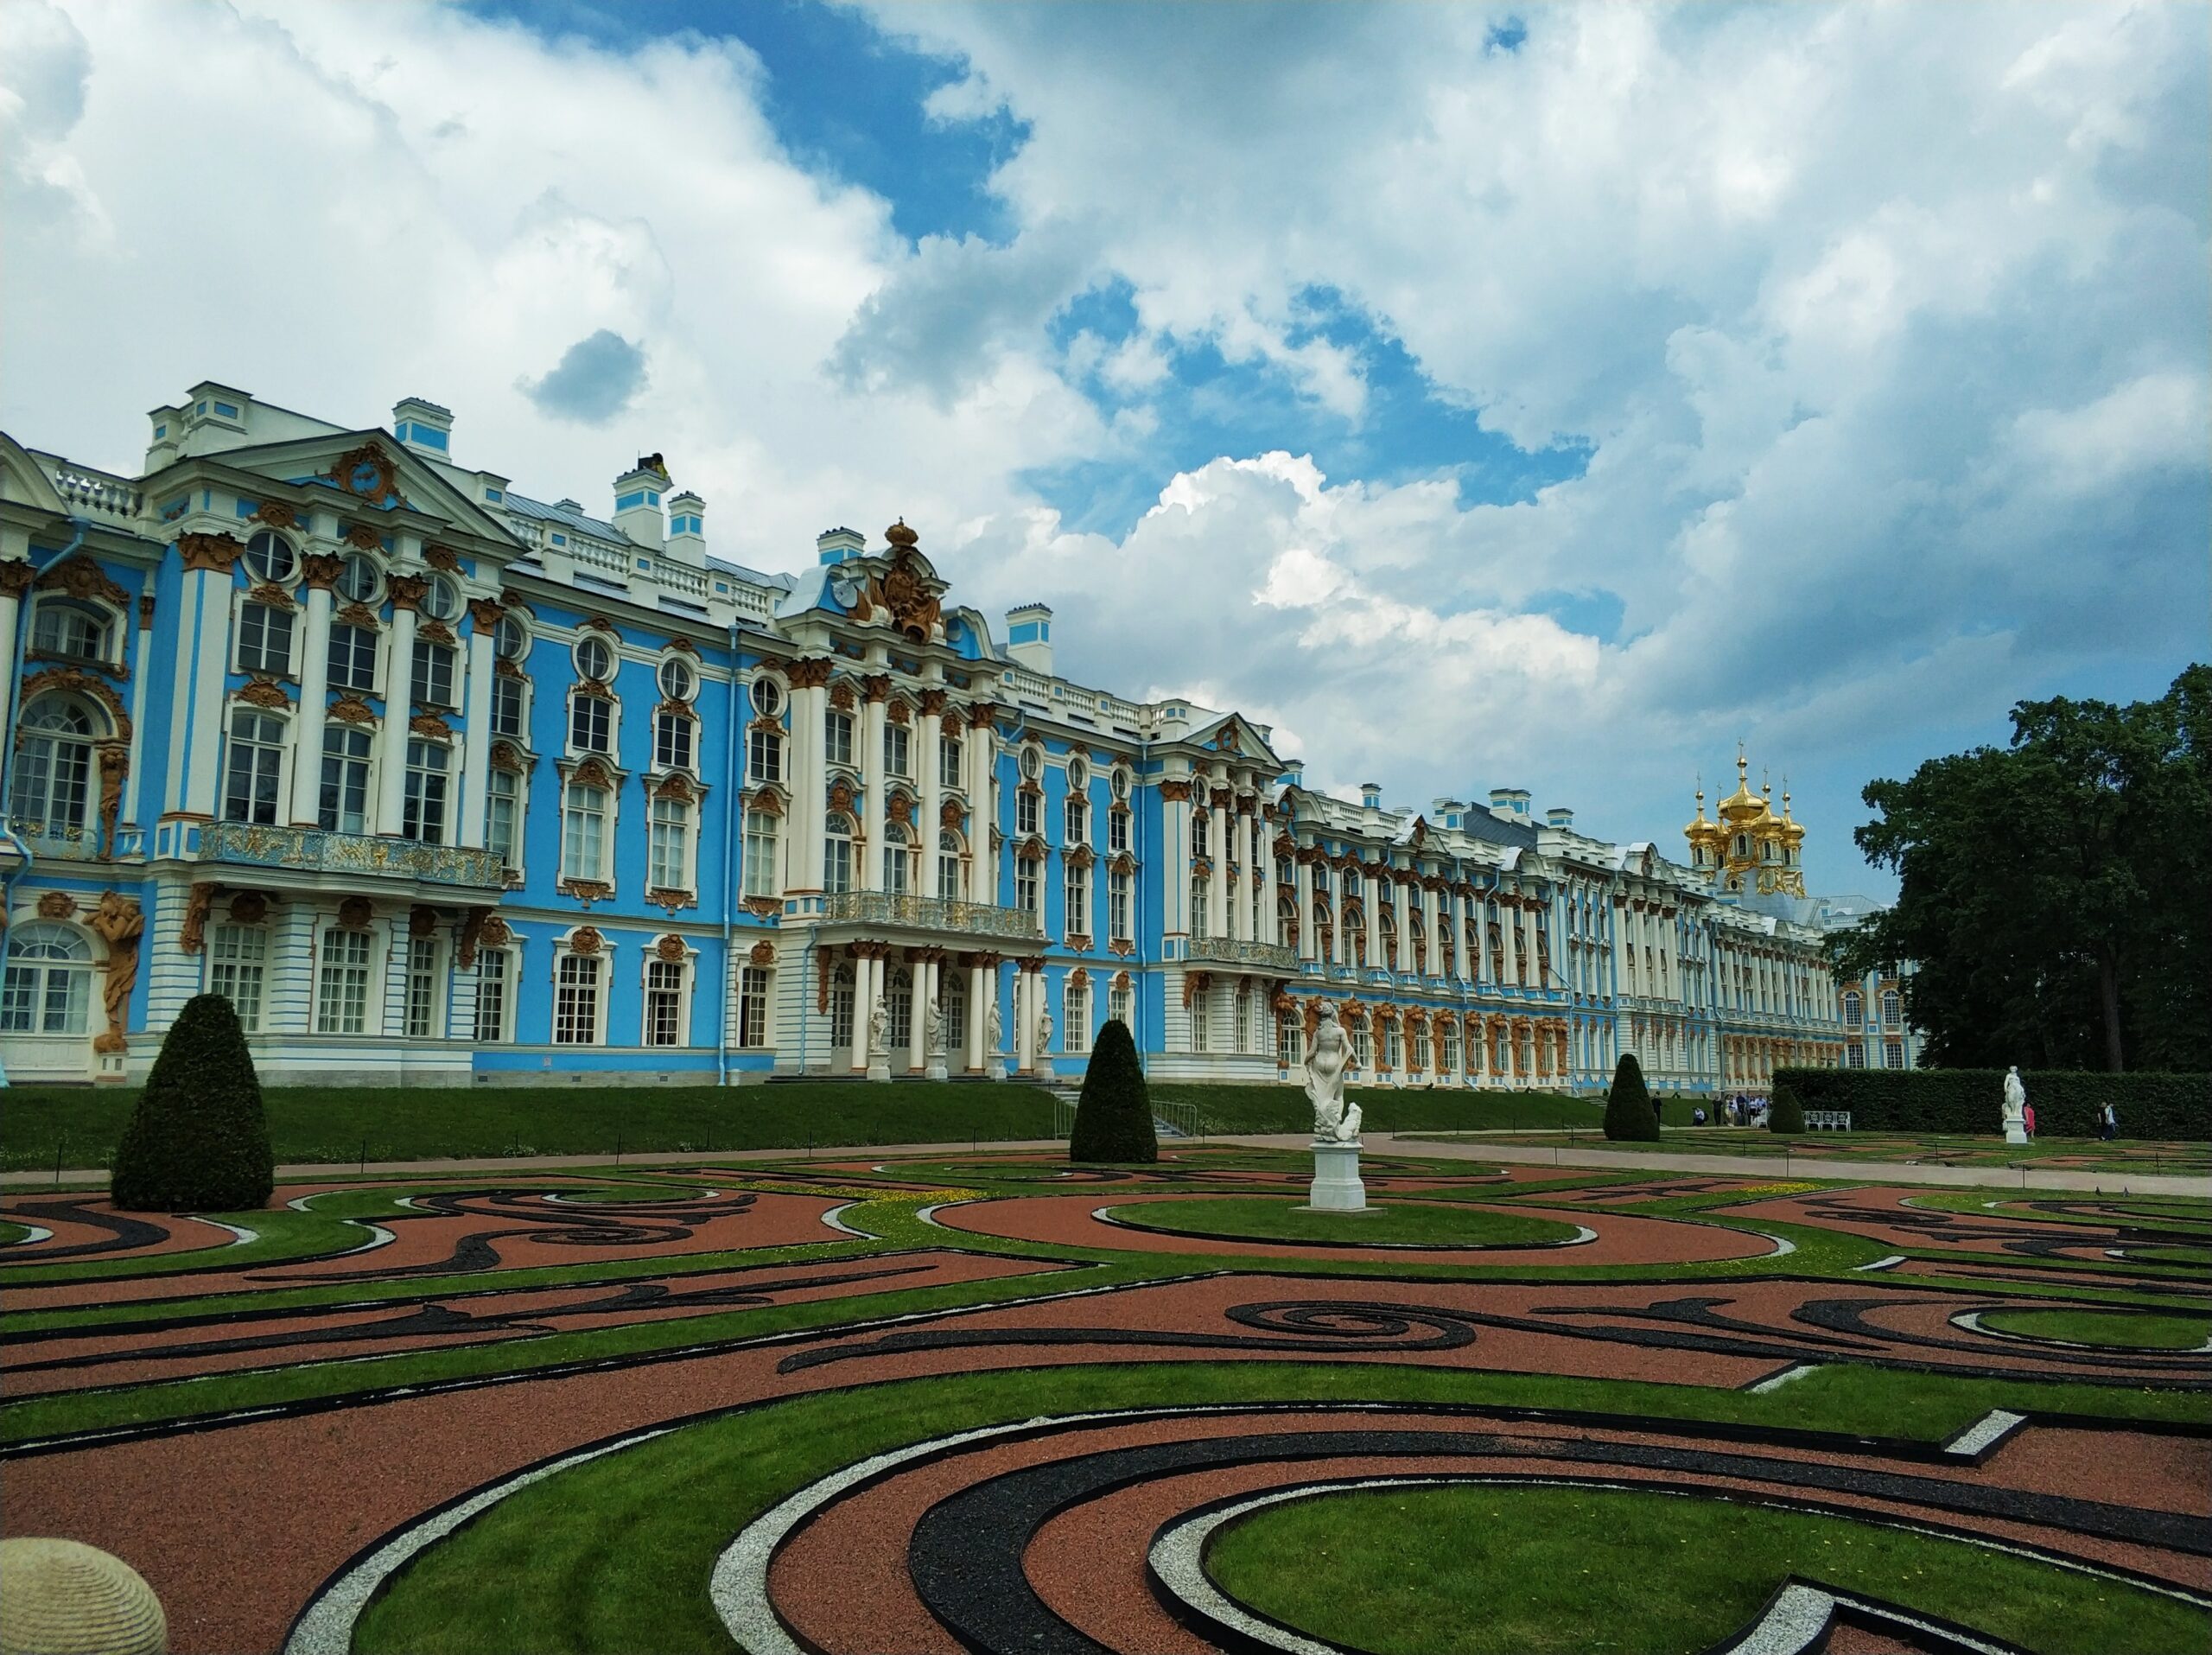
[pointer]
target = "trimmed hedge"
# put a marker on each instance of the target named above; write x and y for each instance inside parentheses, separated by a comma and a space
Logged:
(1629, 1113)
(1784, 1113)
(1113, 1118)
(198, 1142)
(2066, 1102)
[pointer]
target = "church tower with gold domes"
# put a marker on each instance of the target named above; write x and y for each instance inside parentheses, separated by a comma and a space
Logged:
(1749, 848)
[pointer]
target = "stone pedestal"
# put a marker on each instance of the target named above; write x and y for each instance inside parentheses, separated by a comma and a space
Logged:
(2015, 1133)
(994, 1067)
(935, 1071)
(1337, 1188)
(878, 1069)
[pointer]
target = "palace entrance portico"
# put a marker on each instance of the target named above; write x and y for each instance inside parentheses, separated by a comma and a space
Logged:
(907, 953)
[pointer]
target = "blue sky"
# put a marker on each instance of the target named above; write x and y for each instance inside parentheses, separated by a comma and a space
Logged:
(1546, 397)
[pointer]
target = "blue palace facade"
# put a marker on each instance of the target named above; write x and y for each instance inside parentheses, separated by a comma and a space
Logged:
(443, 784)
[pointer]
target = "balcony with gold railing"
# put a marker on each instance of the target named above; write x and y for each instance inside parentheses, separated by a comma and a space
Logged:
(1230, 950)
(931, 913)
(318, 850)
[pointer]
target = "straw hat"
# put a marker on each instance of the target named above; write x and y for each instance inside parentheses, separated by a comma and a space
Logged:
(62, 1597)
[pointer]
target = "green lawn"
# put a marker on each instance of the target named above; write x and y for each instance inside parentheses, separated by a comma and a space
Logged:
(2143, 1329)
(1502, 1571)
(1391, 1109)
(328, 1124)
(1276, 1218)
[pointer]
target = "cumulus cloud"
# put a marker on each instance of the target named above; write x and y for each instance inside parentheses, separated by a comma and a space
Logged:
(596, 379)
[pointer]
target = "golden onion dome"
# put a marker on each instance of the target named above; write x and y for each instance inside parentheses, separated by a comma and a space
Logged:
(1792, 831)
(1743, 808)
(1702, 832)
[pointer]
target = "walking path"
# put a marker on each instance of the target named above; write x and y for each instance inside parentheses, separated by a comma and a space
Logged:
(1470, 1148)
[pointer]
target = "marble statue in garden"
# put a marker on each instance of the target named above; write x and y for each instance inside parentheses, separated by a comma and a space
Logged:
(1334, 1120)
(2016, 1107)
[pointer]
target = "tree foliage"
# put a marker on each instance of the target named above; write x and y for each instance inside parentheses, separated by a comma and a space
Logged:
(2056, 896)
(1113, 1118)
(1629, 1113)
(198, 1142)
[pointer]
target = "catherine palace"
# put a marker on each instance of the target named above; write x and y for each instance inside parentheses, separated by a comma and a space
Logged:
(441, 785)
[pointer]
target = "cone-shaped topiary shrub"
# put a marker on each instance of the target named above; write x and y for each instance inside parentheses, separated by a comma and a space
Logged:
(1113, 1122)
(198, 1142)
(1784, 1113)
(1629, 1113)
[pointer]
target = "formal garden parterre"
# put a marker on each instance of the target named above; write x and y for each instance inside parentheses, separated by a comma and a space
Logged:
(990, 1400)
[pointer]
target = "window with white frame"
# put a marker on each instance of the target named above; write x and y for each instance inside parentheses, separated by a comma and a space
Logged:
(763, 865)
(1028, 807)
(344, 803)
(767, 698)
(1854, 1055)
(1077, 895)
(1851, 1014)
(591, 721)
(1076, 826)
(584, 810)
(264, 637)
(895, 749)
(352, 657)
(899, 1005)
(495, 977)
(512, 639)
(1117, 832)
(753, 991)
(342, 973)
(1025, 884)
(238, 962)
(1448, 1047)
(1892, 1009)
(269, 558)
(838, 738)
(509, 707)
(675, 737)
(669, 848)
(948, 880)
(358, 579)
(422, 816)
(441, 599)
(1363, 1047)
(1892, 1054)
(949, 754)
(51, 789)
(665, 1001)
(1117, 907)
(1202, 1020)
(425, 990)
(76, 632)
(764, 754)
(837, 853)
(503, 817)
(1120, 1003)
(1199, 904)
(47, 986)
(1199, 835)
(1243, 1038)
(898, 858)
(1075, 1017)
(577, 998)
(253, 767)
(677, 678)
(1290, 1040)
(841, 1007)
(431, 680)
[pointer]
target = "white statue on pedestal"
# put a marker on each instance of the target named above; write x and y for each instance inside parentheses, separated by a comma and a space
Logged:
(1334, 1120)
(993, 1029)
(2016, 1107)
(1044, 1029)
(933, 1028)
(879, 1027)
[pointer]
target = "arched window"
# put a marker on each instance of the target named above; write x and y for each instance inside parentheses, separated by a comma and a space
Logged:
(1892, 1009)
(1852, 1009)
(76, 632)
(1356, 929)
(49, 983)
(841, 1007)
(54, 767)
(898, 858)
(1391, 961)
(837, 854)
(948, 865)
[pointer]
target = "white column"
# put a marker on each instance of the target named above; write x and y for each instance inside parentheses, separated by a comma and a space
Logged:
(1217, 853)
(15, 582)
(926, 830)
(196, 763)
(1302, 876)
(1401, 905)
(872, 782)
(861, 1006)
(1270, 910)
(1025, 1030)
(1248, 864)
(983, 808)
(1175, 830)
(398, 706)
(916, 1039)
(978, 1022)
(476, 738)
(809, 708)
(1379, 891)
(140, 688)
(1434, 915)
(1510, 925)
(314, 693)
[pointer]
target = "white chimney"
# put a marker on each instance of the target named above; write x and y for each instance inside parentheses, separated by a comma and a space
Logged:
(687, 528)
(423, 426)
(636, 500)
(1029, 637)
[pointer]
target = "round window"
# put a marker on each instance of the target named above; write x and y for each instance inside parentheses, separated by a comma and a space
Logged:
(512, 639)
(594, 658)
(767, 698)
(357, 577)
(1033, 763)
(1078, 775)
(443, 599)
(270, 556)
(1122, 786)
(677, 680)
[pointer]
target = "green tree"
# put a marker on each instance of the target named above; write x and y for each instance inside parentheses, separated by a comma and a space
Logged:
(198, 1142)
(1113, 1118)
(2055, 894)
(1629, 1113)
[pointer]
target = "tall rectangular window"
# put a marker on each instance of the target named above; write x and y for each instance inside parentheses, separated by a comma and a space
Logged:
(503, 818)
(1448, 1052)
(1026, 806)
(423, 814)
(838, 738)
(894, 749)
(673, 734)
(1117, 832)
(1075, 1020)
(837, 858)
(584, 832)
(494, 982)
(1025, 884)
(508, 698)
(591, 723)
(949, 755)
(1117, 906)
(1120, 1006)
(423, 981)
(265, 639)
(763, 755)
(763, 871)
(238, 958)
(344, 807)
(1290, 1041)
(353, 657)
(341, 998)
(1077, 827)
(753, 1007)
(664, 1002)
(1202, 1021)
(1077, 894)
(256, 764)
(669, 850)
(576, 1000)
(431, 681)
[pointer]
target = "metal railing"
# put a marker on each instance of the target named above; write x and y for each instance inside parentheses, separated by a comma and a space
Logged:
(931, 913)
(1229, 951)
(322, 851)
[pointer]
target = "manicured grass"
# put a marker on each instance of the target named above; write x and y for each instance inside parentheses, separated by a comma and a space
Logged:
(2142, 1329)
(10, 1233)
(1502, 1571)
(2086, 1155)
(615, 1554)
(316, 1124)
(1401, 1223)
(1392, 1108)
